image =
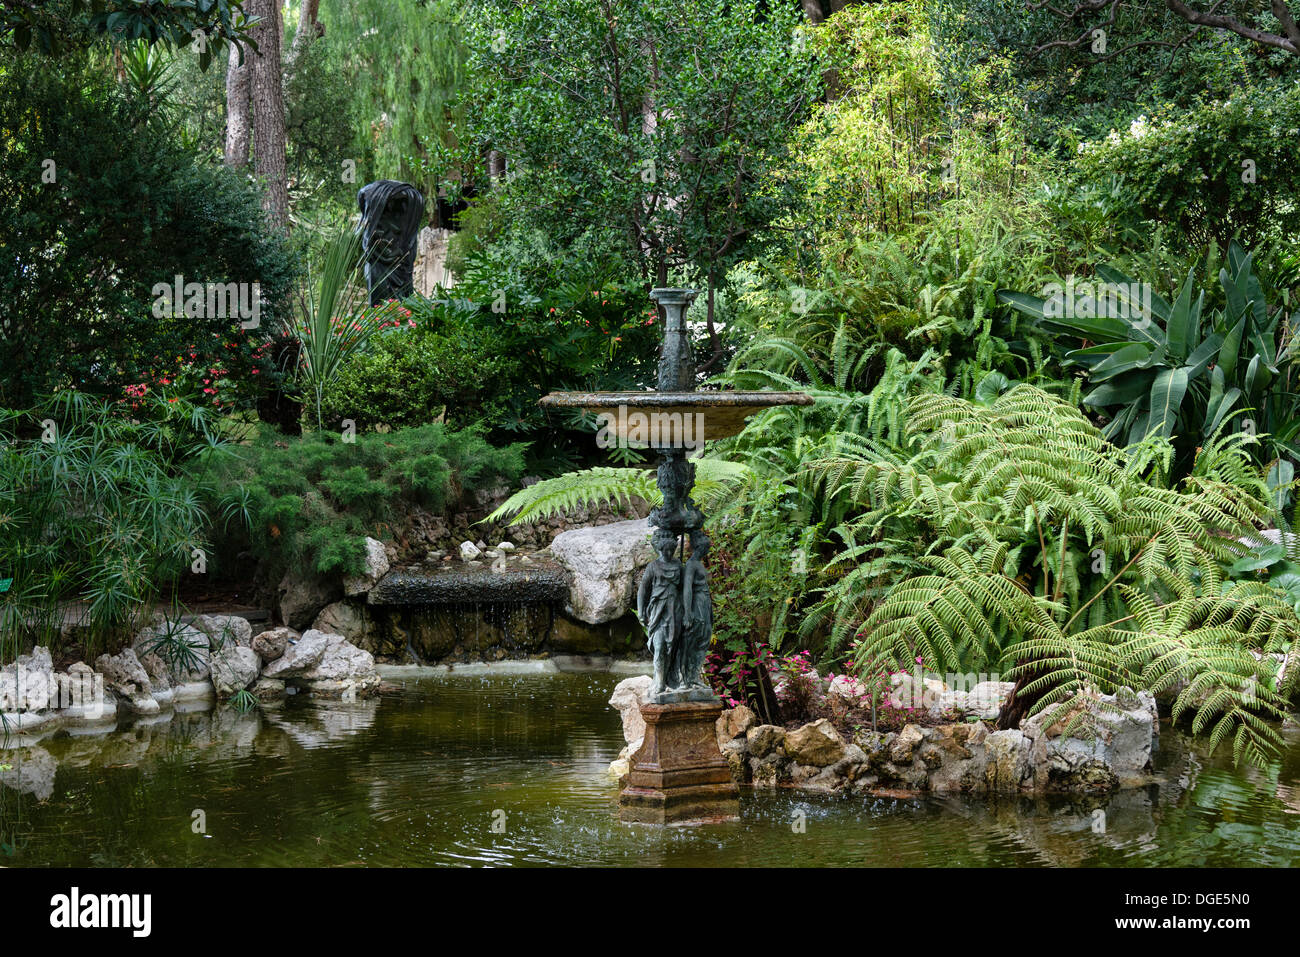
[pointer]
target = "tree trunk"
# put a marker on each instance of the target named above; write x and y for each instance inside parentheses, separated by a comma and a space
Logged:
(238, 132)
(268, 113)
(309, 28)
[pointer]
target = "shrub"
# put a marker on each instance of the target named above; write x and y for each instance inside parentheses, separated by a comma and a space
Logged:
(127, 208)
(442, 365)
(1219, 171)
(313, 500)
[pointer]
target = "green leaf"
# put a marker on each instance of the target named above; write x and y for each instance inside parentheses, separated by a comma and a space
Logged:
(1166, 397)
(1184, 322)
(1130, 386)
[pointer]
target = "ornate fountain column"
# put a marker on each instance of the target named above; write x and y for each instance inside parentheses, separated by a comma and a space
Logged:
(679, 775)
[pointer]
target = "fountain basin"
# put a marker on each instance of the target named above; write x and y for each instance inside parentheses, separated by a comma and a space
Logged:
(673, 419)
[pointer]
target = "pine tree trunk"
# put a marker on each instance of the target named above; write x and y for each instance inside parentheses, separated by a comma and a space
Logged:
(268, 112)
(239, 135)
(309, 28)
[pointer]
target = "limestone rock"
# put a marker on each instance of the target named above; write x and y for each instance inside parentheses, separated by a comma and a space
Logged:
(903, 746)
(302, 596)
(224, 629)
(734, 722)
(469, 551)
(126, 678)
(29, 683)
(817, 744)
(267, 689)
(764, 740)
(604, 563)
(1110, 744)
(375, 569)
(340, 660)
(343, 618)
(234, 668)
(271, 644)
(298, 658)
(1008, 768)
(629, 694)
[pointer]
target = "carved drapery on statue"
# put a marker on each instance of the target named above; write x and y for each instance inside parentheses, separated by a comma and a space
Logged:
(391, 213)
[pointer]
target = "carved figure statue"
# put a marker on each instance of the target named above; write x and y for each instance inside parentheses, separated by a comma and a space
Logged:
(390, 222)
(659, 606)
(697, 615)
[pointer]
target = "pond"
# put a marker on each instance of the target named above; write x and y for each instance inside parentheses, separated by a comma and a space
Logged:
(490, 768)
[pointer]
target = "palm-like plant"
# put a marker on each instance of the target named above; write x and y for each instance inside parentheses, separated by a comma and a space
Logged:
(335, 320)
(1179, 371)
(1036, 545)
(98, 509)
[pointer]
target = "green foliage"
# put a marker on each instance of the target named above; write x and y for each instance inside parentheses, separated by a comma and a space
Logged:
(896, 153)
(323, 123)
(98, 508)
(336, 321)
(122, 207)
(1179, 370)
(313, 500)
(1216, 171)
(653, 124)
(1030, 542)
(449, 363)
(602, 485)
(1078, 85)
(405, 64)
(512, 330)
(56, 27)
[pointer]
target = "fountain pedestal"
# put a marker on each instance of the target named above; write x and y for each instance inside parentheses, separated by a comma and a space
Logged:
(679, 775)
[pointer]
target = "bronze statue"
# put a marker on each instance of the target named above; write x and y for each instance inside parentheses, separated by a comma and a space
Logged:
(390, 224)
(659, 606)
(697, 615)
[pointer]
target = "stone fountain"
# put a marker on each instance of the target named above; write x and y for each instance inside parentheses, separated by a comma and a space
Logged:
(679, 775)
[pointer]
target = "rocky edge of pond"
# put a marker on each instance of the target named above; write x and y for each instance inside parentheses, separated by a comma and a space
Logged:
(1097, 744)
(585, 580)
(224, 658)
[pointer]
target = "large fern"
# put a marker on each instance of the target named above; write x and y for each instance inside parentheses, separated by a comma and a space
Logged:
(605, 485)
(1035, 545)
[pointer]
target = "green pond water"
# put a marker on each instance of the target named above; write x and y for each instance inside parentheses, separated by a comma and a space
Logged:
(499, 769)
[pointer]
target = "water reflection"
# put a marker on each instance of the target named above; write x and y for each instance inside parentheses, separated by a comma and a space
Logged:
(510, 769)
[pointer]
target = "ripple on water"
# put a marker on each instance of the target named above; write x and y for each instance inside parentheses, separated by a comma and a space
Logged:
(475, 770)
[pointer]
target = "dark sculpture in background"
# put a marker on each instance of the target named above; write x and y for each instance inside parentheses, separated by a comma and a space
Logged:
(391, 213)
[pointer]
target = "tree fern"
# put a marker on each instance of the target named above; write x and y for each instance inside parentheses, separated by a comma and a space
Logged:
(604, 485)
(1038, 547)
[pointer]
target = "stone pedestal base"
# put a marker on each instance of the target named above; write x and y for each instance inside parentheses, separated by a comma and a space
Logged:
(679, 776)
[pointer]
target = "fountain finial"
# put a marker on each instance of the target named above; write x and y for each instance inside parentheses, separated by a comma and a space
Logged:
(676, 363)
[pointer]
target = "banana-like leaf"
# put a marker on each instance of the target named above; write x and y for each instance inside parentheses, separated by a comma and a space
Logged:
(1184, 326)
(1126, 388)
(1166, 399)
(1231, 348)
(1131, 356)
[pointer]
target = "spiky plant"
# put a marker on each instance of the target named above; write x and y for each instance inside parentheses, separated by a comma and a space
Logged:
(334, 320)
(1032, 544)
(604, 485)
